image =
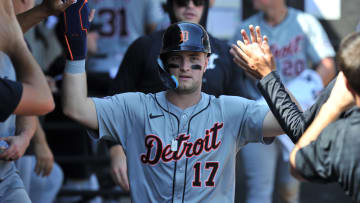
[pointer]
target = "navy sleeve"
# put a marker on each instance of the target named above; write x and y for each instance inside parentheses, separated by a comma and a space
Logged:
(10, 94)
(291, 119)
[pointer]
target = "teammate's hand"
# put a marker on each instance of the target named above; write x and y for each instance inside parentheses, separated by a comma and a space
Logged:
(340, 98)
(75, 24)
(11, 37)
(44, 159)
(17, 146)
(119, 167)
(254, 55)
(55, 7)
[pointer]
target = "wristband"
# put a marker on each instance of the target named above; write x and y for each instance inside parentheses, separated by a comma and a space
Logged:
(75, 67)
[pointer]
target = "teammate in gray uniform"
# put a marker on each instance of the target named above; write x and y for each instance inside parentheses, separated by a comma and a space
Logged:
(36, 95)
(181, 143)
(122, 22)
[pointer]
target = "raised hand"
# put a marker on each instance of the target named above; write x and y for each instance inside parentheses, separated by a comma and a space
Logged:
(254, 55)
(55, 7)
(340, 98)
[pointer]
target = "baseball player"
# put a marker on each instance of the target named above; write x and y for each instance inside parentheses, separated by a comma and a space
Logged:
(298, 42)
(138, 71)
(123, 21)
(181, 143)
(328, 150)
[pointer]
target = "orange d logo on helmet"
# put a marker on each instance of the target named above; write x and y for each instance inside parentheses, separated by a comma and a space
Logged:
(184, 36)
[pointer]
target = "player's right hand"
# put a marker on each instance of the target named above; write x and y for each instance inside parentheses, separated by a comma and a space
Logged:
(17, 146)
(119, 167)
(55, 7)
(254, 55)
(44, 159)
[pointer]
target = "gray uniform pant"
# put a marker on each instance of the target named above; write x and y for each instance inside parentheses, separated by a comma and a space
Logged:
(40, 189)
(12, 188)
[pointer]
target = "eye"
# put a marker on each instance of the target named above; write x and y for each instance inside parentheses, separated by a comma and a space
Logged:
(194, 58)
(174, 59)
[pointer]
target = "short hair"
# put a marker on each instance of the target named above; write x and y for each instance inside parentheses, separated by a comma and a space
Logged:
(348, 59)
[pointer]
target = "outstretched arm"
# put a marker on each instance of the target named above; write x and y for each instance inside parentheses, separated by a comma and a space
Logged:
(76, 103)
(42, 151)
(291, 119)
(255, 57)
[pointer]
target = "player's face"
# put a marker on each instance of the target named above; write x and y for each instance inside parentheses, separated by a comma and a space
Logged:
(189, 10)
(188, 68)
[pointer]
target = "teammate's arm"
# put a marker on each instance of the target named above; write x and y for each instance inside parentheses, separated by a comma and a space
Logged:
(35, 15)
(25, 128)
(36, 96)
(43, 154)
(255, 57)
(119, 167)
(340, 100)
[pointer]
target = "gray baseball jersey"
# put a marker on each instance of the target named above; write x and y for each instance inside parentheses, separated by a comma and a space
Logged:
(7, 128)
(295, 42)
(122, 21)
(177, 155)
(11, 185)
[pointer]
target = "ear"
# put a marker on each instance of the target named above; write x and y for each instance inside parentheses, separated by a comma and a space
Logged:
(349, 87)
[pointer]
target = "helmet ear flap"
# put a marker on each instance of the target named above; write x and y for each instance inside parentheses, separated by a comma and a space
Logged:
(169, 81)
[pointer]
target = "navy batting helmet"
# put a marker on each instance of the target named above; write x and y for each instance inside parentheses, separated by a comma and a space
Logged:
(185, 36)
(182, 36)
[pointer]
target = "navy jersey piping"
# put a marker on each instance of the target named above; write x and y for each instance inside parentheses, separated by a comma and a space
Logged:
(188, 131)
(175, 162)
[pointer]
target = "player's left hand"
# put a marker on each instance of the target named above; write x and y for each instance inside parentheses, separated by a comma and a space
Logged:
(55, 7)
(254, 55)
(44, 159)
(340, 98)
(17, 147)
(119, 167)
